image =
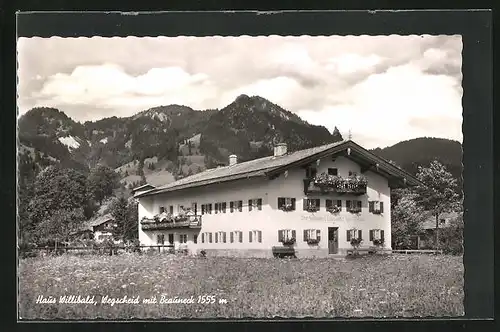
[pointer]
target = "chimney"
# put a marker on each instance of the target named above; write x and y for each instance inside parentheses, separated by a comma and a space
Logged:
(280, 149)
(233, 160)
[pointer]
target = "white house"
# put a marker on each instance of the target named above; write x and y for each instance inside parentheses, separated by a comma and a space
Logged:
(314, 200)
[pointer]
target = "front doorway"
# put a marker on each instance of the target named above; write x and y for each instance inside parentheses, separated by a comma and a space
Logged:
(333, 240)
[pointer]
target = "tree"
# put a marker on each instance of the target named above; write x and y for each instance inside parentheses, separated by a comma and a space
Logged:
(101, 182)
(190, 145)
(439, 192)
(60, 225)
(407, 218)
(125, 214)
(337, 136)
(120, 214)
(56, 189)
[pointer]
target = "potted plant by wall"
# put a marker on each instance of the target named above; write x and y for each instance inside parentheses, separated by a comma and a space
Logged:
(355, 210)
(355, 243)
(378, 242)
(289, 242)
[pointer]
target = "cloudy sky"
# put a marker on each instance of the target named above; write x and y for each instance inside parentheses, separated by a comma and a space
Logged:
(384, 89)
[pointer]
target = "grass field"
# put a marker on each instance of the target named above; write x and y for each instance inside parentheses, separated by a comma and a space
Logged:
(380, 286)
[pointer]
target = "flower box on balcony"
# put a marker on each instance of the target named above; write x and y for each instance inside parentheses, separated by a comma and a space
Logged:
(377, 212)
(325, 183)
(312, 241)
(378, 242)
(355, 210)
(287, 207)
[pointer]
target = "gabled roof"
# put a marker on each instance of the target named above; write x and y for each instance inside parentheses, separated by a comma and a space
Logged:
(100, 220)
(270, 166)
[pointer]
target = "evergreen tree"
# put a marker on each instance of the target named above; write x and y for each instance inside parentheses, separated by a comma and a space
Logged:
(101, 182)
(119, 211)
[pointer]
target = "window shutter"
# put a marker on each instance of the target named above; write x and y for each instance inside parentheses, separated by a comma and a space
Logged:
(318, 234)
(209, 208)
(216, 208)
(293, 234)
(202, 237)
(305, 234)
(240, 205)
(318, 202)
(329, 203)
(370, 206)
(231, 206)
(382, 234)
(304, 203)
(280, 236)
(259, 203)
(371, 234)
(195, 238)
(339, 204)
(293, 203)
(210, 237)
(360, 234)
(224, 205)
(348, 204)
(224, 237)
(260, 236)
(359, 204)
(281, 202)
(216, 237)
(231, 237)
(348, 236)
(241, 237)
(381, 207)
(249, 205)
(249, 236)
(202, 208)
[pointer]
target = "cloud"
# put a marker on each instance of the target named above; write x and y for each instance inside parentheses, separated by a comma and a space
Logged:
(373, 85)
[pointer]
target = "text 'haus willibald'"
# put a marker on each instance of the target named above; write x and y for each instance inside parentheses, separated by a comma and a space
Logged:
(315, 200)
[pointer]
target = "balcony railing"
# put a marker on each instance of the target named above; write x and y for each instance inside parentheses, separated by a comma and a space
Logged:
(325, 184)
(156, 223)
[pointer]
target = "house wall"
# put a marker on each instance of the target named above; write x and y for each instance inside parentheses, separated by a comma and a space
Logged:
(270, 219)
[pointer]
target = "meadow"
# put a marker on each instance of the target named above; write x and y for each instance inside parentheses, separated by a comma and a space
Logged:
(376, 286)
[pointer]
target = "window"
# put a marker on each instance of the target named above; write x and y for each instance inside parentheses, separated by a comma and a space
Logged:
(255, 203)
(206, 208)
(220, 236)
(354, 234)
(376, 234)
(206, 237)
(286, 203)
(285, 235)
(171, 208)
(255, 236)
(220, 207)
(180, 208)
(160, 239)
(162, 209)
(311, 234)
(183, 238)
(236, 206)
(332, 204)
(311, 204)
(351, 173)
(236, 236)
(376, 207)
(353, 206)
(195, 238)
(333, 171)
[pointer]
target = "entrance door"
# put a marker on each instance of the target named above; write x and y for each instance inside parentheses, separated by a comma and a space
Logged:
(333, 240)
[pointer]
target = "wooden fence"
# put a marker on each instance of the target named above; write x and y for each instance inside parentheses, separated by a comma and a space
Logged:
(418, 251)
(98, 249)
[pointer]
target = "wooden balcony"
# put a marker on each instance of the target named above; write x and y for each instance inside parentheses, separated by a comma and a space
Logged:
(340, 187)
(152, 224)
